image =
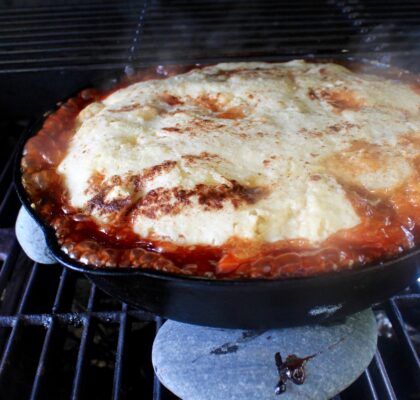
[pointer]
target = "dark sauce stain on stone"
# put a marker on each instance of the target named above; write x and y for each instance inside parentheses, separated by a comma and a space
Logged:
(233, 347)
(225, 349)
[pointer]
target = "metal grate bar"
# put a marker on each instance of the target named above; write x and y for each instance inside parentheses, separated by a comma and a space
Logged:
(28, 288)
(390, 7)
(410, 353)
(11, 345)
(240, 13)
(82, 356)
(65, 29)
(69, 58)
(46, 351)
(255, 29)
(47, 347)
(409, 298)
(94, 65)
(308, 8)
(306, 33)
(67, 49)
(91, 31)
(5, 202)
(30, 44)
(305, 5)
(58, 301)
(7, 237)
(119, 359)
(378, 367)
(6, 171)
(157, 388)
(226, 24)
(29, 11)
(8, 265)
(325, 19)
(369, 385)
(68, 18)
(251, 40)
(315, 45)
(10, 299)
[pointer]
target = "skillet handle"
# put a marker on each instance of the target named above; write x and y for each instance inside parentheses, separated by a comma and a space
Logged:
(32, 239)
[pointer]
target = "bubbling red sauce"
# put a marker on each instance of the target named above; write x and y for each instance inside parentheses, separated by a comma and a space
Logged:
(390, 221)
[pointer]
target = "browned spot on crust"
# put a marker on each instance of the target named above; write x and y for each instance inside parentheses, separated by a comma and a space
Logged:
(99, 203)
(368, 156)
(216, 105)
(342, 100)
(349, 125)
(101, 189)
(171, 99)
(237, 194)
(410, 139)
(416, 164)
(231, 113)
(338, 127)
(203, 156)
(360, 157)
(200, 125)
(209, 102)
(163, 113)
(163, 201)
(335, 128)
(266, 163)
(339, 99)
(151, 173)
(172, 201)
(95, 182)
(313, 132)
(129, 107)
(312, 95)
(315, 177)
(171, 129)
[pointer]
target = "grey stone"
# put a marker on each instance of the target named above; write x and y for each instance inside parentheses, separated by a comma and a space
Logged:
(32, 239)
(200, 363)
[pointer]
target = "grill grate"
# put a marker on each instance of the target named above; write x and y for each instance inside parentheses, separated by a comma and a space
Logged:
(60, 337)
(45, 39)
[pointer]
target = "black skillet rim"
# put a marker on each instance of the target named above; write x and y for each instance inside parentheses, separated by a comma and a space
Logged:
(68, 262)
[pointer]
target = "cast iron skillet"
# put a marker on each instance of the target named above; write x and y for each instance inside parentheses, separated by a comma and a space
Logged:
(248, 304)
